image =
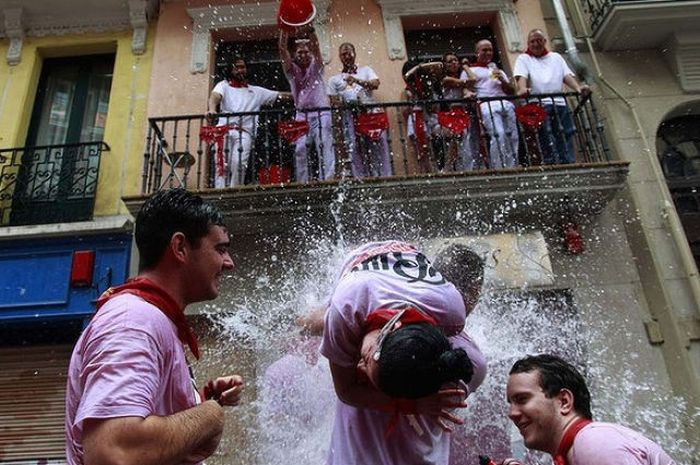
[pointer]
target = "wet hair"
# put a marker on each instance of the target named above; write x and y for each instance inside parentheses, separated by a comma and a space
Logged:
(556, 374)
(446, 54)
(410, 64)
(347, 44)
(228, 69)
(168, 212)
(461, 266)
(416, 360)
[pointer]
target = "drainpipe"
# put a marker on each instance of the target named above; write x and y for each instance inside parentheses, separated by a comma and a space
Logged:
(571, 50)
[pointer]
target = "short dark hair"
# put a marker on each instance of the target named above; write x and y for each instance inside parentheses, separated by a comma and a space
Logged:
(556, 374)
(416, 360)
(164, 214)
(461, 266)
(346, 44)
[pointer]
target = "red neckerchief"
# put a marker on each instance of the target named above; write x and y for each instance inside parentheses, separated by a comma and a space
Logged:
(235, 83)
(350, 69)
(376, 320)
(479, 65)
(157, 296)
(529, 52)
(568, 440)
(379, 317)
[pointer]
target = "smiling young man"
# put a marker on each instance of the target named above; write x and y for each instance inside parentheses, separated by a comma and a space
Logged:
(551, 406)
(130, 395)
(235, 95)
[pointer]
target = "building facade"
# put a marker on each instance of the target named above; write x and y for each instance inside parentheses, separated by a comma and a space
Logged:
(592, 259)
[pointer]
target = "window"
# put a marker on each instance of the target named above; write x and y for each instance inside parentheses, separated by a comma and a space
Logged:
(58, 177)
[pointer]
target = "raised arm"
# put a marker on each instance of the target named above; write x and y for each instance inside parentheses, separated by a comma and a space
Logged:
(284, 51)
(189, 436)
(314, 46)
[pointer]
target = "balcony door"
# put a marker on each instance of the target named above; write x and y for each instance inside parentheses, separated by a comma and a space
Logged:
(61, 159)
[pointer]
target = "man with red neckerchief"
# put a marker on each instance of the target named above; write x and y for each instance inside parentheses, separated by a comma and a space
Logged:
(236, 95)
(540, 71)
(399, 358)
(130, 394)
(497, 116)
(550, 405)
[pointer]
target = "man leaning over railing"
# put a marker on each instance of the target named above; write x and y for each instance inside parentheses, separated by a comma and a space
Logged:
(235, 95)
(539, 71)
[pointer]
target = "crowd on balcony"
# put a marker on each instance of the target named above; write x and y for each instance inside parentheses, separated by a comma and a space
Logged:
(456, 114)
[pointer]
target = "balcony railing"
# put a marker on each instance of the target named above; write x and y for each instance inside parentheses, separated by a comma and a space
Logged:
(49, 184)
(420, 137)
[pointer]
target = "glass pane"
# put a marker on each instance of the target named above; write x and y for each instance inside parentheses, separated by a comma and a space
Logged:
(57, 107)
(95, 114)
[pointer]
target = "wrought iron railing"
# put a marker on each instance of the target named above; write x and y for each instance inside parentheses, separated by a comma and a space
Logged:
(598, 10)
(420, 138)
(49, 184)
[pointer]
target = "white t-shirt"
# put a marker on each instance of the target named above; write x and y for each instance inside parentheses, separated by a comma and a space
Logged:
(353, 93)
(243, 99)
(486, 86)
(545, 74)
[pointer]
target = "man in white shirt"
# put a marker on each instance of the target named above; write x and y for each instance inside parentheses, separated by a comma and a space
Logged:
(235, 95)
(539, 71)
(369, 149)
(498, 116)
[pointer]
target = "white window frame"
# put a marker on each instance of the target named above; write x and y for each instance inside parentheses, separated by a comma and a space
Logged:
(394, 10)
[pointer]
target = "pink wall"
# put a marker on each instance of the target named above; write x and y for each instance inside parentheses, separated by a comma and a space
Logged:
(174, 89)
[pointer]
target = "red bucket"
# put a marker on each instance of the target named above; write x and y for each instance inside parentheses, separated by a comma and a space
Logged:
(295, 13)
(274, 174)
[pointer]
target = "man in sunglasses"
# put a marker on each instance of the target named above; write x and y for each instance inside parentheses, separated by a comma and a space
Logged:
(399, 359)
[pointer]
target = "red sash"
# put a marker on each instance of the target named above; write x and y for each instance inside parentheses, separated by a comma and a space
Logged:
(456, 120)
(531, 115)
(215, 134)
(292, 130)
(371, 124)
(157, 296)
(568, 440)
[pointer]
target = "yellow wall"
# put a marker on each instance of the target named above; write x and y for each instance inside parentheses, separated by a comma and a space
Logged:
(120, 168)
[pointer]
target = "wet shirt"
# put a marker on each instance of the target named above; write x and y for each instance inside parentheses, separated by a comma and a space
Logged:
(389, 275)
(355, 92)
(545, 74)
(308, 85)
(485, 85)
(128, 362)
(610, 444)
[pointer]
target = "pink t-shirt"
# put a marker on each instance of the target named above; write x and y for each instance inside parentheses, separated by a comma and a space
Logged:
(308, 85)
(128, 362)
(610, 444)
(389, 274)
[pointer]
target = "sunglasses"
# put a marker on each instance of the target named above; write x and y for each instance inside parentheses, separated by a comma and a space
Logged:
(384, 332)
